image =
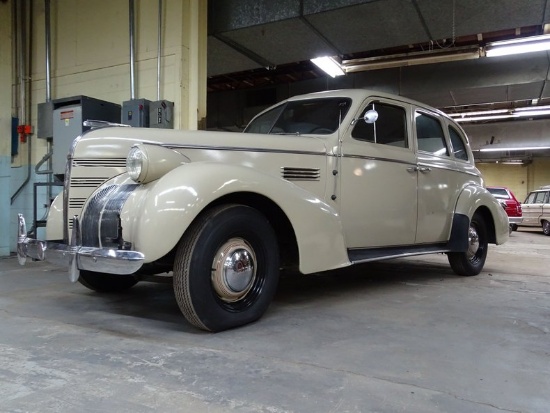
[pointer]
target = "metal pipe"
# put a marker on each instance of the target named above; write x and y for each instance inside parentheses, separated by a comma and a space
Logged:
(23, 46)
(44, 159)
(48, 51)
(132, 57)
(21, 68)
(159, 45)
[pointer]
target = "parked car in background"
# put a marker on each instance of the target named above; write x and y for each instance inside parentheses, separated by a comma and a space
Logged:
(317, 182)
(511, 205)
(536, 209)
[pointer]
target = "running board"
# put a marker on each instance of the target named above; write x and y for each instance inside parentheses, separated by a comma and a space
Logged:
(360, 255)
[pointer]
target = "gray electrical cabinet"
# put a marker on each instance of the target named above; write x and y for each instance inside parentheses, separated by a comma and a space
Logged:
(68, 116)
(135, 112)
(161, 114)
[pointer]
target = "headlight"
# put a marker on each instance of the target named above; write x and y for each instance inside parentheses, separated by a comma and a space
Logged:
(135, 162)
(146, 162)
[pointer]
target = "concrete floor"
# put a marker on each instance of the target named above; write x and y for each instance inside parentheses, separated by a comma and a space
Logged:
(405, 335)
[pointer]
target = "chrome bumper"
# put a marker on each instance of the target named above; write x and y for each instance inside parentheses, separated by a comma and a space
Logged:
(75, 256)
(515, 220)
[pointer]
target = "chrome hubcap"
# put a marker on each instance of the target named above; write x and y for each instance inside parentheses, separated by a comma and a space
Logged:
(234, 270)
(473, 242)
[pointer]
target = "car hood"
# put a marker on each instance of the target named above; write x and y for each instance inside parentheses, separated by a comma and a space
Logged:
(115, 142)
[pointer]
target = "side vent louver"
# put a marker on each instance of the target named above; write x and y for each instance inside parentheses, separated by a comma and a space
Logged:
(301, 174)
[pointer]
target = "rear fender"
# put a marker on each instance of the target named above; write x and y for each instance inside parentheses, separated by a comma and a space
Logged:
(476, 198)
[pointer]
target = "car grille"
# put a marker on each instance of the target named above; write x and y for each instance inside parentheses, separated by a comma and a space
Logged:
(301, 174)
(87, 174)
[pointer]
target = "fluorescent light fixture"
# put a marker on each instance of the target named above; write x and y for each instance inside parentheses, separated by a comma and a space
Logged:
(491, 148)
(526, 112)
(329, 66)
(517, 46)
(480, 112)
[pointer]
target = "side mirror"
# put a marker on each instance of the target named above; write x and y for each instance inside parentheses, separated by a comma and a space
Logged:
(370, 116)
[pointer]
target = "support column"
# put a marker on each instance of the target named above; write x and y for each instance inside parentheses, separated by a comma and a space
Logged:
(192, 108)
(5, 124)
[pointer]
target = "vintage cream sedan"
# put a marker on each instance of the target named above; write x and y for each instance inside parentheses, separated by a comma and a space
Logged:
(317, 182)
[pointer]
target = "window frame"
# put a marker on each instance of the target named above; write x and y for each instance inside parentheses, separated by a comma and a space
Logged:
(462, 138)
(442, 121)
(388, 102)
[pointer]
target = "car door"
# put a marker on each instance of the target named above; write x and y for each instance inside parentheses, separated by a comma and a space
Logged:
(438, 178)
(378, 178)
(532, 208)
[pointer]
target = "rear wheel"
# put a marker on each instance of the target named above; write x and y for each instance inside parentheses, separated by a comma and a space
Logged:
(227, 268)
(471, 262)
(106, 283)
(514, 227)
(546, 227)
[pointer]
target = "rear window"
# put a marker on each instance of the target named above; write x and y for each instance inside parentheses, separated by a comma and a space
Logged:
(499, 192)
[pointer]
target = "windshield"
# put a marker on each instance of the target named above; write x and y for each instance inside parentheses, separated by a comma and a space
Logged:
(316, 116)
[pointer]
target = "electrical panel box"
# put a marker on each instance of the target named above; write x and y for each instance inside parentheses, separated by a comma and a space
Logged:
(161, 114)
(135, 112)
(68, 116)
(44, 128)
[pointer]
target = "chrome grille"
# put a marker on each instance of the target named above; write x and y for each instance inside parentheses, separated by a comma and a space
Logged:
(77, 202)
(100, 162)
(301, 174)
(87, 182)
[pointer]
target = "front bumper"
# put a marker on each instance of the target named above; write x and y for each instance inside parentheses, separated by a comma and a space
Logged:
(75, 256)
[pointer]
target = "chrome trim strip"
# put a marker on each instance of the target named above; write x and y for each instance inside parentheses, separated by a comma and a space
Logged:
(374, 158)
(400, 255)
(241, 149)
(430, 165)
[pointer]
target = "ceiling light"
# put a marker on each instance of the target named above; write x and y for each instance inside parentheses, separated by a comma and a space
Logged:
(517, 46)
(329, 66)
(494, 148)
(514, 114)
(480, 112)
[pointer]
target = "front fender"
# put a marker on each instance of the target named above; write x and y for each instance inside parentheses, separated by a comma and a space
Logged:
(54, 220)
(473, 197)
(157, 214)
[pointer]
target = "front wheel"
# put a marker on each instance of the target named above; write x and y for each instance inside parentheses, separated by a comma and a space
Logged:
(471, 262)
(106, 283)
(546, 227)
(226, 269)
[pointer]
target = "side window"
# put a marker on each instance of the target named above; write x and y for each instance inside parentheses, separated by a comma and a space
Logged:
(389, 129)
(459, 148)
(531, 198)
(540, 198)
(430, 135)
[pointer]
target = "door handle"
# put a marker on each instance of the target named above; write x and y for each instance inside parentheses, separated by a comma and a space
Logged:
(424, 169)
(412, 169)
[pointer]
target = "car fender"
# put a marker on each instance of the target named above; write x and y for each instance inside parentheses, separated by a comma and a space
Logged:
(157, 214)
(54, 220)
(473, 197)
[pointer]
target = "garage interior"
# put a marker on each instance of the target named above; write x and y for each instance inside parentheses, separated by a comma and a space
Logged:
(402, 335)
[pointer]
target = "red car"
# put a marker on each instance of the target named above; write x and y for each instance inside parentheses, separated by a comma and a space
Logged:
(513, 206)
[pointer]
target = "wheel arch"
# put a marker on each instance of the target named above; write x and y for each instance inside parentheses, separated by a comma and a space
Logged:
(284, 231)
(475, 198)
